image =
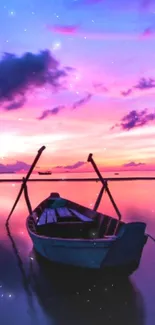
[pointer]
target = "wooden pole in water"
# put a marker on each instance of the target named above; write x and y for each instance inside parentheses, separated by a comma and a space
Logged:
(105, 184)
(25, 180)
(97, 203)
(27, 198)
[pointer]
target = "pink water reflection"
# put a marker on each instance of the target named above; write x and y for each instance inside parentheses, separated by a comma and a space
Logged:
(134, 199)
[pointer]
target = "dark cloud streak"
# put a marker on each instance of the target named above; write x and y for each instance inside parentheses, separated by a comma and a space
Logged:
(50, 112)
(143, 84)
(20, 74)
(56, 110)
(126, 93)
(82, 101)
(135, 119)
(16, 104)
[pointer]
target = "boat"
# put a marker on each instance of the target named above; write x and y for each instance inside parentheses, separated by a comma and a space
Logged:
(116, 173)
(45, 173)
(67, 233)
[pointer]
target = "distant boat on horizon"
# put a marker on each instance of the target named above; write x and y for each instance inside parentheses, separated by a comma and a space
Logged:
(116, 173)
(45, 173)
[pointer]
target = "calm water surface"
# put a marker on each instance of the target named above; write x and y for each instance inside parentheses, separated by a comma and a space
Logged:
(32, 292)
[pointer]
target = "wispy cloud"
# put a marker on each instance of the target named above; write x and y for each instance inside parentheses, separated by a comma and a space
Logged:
(16, 104)
(17, 166)
(56, 110)
(126, 92)
(99, 87)
(133, 164)
(143, 84)
(82, 101)
(19, 74)
(63, 29)
(77, 31)
(135, 119)
(74, 166)
(50, 112)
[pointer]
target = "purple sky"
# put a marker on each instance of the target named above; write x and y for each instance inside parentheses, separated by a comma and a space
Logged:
(89, 74)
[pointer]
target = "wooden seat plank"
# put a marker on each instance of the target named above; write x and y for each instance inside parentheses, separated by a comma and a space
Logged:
(42, 219)
(51, 216)
(80, 216)
(63, 212)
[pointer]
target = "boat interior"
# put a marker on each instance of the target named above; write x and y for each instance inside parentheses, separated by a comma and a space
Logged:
(56, 217)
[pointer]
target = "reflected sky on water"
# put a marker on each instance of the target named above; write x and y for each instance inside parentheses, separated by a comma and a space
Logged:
(36, 292)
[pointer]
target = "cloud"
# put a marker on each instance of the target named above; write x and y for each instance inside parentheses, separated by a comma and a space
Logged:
(126, 92)
(49, 112)
(56, 110)
(82, 101)
(135, 119)
(133, 164)
(20, 74)
(100, 87)
(19, 165)
(77, 31)
(16, 104)
(64, 29)
(74, 166)
(143, 84)
(70, 69)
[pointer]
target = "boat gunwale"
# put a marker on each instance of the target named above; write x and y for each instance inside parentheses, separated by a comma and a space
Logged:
(77, 205)
(93, 240)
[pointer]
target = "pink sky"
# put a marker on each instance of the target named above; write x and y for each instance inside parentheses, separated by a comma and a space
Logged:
(113, 74)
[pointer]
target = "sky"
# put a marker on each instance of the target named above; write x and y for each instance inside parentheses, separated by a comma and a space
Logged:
(77, 76)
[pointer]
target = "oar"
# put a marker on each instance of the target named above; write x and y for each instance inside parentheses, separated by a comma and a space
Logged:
(104, 182)
(25, 180)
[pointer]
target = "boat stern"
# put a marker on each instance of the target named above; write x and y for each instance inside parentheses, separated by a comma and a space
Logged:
(125, 253)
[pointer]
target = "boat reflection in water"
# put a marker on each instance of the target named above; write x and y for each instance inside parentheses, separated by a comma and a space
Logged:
(80, 298)
(66, 297)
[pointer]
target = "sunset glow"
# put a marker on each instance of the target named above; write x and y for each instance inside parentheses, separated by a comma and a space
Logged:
(87, 84)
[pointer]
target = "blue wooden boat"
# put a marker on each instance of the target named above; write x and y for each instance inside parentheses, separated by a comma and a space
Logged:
(70, 234)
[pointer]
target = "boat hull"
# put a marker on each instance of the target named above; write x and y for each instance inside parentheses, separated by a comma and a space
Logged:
(120, 254)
